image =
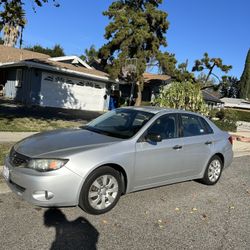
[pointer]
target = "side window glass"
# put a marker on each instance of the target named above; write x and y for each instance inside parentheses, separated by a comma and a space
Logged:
(165, 126)
(207, 127)
(192, 126)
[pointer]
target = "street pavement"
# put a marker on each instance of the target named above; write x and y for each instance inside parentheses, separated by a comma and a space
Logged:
(187, 215)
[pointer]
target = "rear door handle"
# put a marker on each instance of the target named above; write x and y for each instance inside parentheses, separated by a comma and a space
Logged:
(208, 142)
(177, 147)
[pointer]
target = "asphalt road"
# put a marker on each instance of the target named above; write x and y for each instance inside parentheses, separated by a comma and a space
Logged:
(181, 216)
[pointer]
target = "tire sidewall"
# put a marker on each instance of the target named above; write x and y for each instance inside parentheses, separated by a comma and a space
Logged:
(206, 179)
(83, 199)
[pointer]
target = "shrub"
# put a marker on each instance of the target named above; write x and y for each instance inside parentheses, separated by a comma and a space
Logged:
(227, 120)
(182, 95)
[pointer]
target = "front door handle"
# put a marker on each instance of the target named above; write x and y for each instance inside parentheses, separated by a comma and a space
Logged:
(208, 142)
(177, 147)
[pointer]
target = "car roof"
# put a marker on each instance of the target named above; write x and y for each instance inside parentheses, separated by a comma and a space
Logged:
(156, 110)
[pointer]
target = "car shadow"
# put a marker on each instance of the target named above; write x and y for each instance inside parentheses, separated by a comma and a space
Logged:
(77, 234)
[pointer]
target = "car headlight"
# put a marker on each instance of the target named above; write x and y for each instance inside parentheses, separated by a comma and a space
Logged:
(44, 165)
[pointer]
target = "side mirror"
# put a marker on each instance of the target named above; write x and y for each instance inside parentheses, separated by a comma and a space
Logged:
(153, 137)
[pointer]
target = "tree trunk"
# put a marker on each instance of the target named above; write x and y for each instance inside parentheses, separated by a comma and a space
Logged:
(11, 34)
(139, 93)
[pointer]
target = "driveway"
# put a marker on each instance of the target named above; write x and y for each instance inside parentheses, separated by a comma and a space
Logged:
(187, 215)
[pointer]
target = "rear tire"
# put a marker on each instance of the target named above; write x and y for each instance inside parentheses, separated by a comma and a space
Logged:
(213, 171)
(101, 191)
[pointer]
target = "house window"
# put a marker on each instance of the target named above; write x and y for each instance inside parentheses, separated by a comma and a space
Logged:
(81, 84)
(69, 82)
(59, 79)
(89, 84)
(49, 78)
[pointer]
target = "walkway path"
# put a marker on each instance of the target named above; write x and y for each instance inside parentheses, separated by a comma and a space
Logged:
(14, 136)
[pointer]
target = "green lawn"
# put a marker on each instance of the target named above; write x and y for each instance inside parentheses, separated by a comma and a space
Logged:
(4, 149)
(28, 124)
(243, 115)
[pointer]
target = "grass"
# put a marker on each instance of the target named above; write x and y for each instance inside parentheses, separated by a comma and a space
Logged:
(27, 124)
(19, 118)
(226, 126)
(243, 115)
(4, 150)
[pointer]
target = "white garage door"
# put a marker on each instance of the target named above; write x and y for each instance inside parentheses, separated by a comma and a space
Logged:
(73, 93)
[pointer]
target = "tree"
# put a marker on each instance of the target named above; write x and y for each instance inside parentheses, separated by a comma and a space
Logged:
(210, 64)
(167, 65)
(55, 51)
(136, 30)
(245, 79)
(37, 2)
(182, 95)
(1, 41)
(12, 22)
(90, 55)
(230, 87)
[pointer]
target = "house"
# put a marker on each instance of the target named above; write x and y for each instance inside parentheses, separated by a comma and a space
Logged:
(236, 103)
(211, 100)
(66, 82)
(152, 86)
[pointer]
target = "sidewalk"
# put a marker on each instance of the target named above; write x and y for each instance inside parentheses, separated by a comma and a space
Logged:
(14, 136)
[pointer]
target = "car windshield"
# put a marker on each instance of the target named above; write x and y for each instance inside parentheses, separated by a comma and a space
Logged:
(120, 123)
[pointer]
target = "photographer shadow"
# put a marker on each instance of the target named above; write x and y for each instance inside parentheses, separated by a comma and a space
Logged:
(77, 234)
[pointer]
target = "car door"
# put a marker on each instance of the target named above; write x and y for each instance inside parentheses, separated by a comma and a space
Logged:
(158, 162)
(197, 143)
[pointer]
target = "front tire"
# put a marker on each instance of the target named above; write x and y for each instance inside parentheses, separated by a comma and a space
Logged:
(101, 191)
(213, 171)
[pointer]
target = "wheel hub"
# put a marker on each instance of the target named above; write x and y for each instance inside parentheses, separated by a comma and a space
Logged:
(103, 192)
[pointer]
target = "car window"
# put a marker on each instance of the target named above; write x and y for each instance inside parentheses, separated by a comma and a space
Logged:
(207, 127)
(165, 126)
(193, 125)
(120, 123)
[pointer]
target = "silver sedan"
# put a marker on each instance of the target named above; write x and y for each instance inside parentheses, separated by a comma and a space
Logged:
(122, 151)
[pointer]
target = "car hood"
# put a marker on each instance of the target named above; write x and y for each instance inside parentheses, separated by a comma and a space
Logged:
(59, 141)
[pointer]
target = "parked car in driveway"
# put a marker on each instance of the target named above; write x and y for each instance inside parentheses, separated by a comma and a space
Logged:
(124, 150)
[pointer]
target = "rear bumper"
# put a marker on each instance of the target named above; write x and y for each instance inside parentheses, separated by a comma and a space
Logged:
(50, 189)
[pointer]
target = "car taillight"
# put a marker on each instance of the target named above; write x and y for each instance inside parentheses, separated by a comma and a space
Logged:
(230, 139)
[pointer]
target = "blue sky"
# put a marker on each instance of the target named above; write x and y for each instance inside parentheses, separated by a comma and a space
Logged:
(219, 27)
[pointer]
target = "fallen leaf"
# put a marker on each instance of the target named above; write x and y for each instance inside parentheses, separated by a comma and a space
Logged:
(104, 222)
(204, 216)
(231, 207)
(194, 209)
(146, 212)
(159, 221)
(177, 209)
(160, 226)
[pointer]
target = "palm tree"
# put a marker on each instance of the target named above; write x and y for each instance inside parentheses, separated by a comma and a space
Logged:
(12, 22)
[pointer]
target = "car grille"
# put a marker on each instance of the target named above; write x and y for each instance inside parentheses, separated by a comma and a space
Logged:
(17, 159)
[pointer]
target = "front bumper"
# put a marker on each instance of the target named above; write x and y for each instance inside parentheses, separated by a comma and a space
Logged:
(46, 189)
